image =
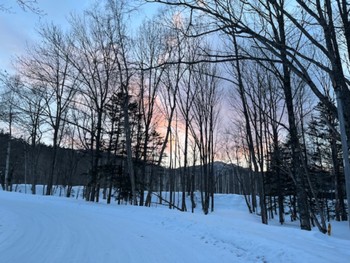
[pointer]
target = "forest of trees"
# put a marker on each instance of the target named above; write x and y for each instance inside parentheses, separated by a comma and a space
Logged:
(258, 84)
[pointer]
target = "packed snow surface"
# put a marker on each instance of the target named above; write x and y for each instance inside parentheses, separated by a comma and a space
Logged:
(54, 229)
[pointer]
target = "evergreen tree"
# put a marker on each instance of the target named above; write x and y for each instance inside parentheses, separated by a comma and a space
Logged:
(325, 158)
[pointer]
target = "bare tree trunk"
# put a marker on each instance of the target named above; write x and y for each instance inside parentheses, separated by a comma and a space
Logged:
(293, 132)
(53, 165)
(252, 154)
(345, 148)
(130, 164)
(7, 167)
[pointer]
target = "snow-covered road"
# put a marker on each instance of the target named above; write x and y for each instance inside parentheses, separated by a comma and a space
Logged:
(50, 229)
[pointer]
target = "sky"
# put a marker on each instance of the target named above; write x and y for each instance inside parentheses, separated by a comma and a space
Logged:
(18, 28)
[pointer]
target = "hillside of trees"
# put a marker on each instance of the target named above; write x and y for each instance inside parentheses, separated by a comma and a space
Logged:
(262, 85)
(72, 169)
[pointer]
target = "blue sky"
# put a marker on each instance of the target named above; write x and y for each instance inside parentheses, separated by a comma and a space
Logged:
(19, 28)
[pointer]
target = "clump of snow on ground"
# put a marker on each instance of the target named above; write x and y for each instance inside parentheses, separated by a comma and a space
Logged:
(52, 229)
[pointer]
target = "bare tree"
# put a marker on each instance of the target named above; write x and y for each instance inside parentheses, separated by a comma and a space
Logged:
(8, 114)
(170, 84)
(98, 48)
(150, 51)
(205, 114)
(25, 5)
(187, 95)
(124, 76)
(31, 107)
(46, 65)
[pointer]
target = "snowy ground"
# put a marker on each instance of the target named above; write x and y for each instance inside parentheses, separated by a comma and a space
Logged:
(51, 229)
